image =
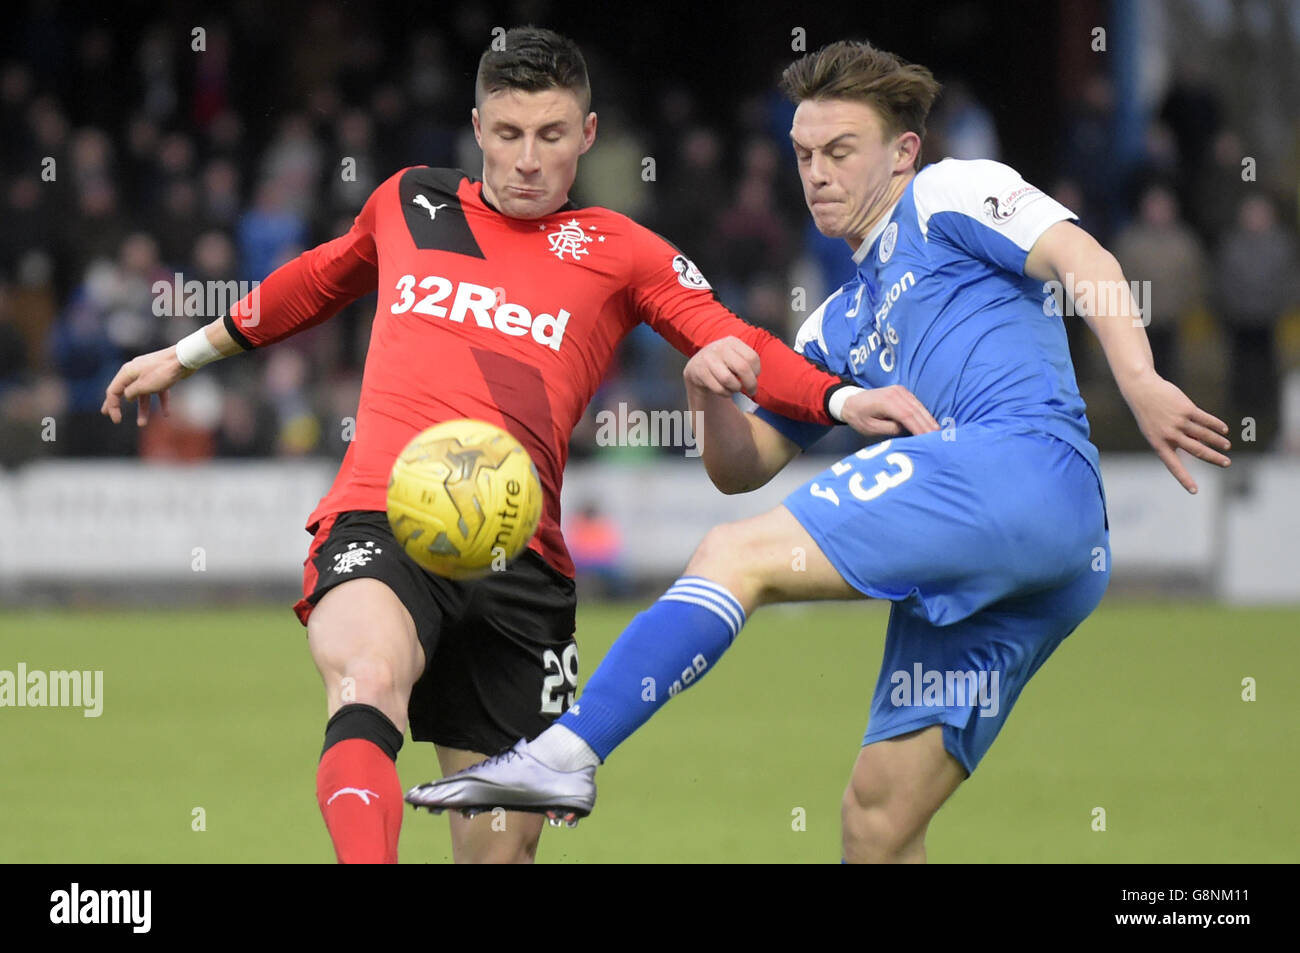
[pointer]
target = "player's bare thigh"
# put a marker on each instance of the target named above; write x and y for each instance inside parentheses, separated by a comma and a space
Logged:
(896, 787)
(494, 837)
(364, 644)
(766, 559)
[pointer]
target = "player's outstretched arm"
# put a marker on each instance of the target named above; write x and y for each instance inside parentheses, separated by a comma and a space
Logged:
(1167, 418)
(741, 452)
(298, 295)
(155, 372)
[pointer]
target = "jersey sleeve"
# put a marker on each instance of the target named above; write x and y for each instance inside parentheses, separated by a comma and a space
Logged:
(313, 287)
(985, 209)
(811, 343)
(669, 293)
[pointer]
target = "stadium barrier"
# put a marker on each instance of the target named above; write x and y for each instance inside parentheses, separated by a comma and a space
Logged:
(128, 526)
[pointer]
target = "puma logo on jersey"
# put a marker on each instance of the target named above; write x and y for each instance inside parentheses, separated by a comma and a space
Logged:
(424, 203)
(359, 792)
(487, 306)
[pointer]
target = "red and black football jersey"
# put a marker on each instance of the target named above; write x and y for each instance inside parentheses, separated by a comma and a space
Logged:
(512, 321)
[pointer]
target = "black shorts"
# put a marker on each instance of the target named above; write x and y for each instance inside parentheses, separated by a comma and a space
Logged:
(501, 662)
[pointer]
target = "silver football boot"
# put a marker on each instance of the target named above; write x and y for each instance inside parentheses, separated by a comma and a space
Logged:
(513, 780)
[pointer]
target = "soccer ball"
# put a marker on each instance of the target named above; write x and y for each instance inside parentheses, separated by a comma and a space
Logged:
(464, 498)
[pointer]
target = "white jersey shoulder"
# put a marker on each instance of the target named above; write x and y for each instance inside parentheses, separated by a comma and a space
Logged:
(991, 193)
(811, 330)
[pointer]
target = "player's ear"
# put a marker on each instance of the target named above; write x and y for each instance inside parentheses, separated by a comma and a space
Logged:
(478, 128)
(588, 132)
(908, 147)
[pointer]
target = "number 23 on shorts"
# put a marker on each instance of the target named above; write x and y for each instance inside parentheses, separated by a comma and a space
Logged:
(898, 469)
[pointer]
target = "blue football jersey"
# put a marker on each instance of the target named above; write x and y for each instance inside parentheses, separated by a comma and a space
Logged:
(941, 305)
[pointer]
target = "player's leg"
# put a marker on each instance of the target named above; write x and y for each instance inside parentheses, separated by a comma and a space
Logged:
(360, 605)
(363, 642)
(504, 668)
(941, 699)
(493, 837)
(896, 788)
(665, 649)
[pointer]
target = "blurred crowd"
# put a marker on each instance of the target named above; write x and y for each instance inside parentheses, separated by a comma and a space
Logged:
(127, 165)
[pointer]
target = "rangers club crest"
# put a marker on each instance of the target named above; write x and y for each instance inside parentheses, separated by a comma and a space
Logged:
(570, 239)
(352, 557)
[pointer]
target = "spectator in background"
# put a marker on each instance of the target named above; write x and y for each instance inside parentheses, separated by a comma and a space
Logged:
(1256, 277)
(294, 162)
(1159, 247)
(15, 95)
(1194, 115)
(354, 138)
(269, 233)
(596, 546)
(1219, 189)
(694, 171)
(220, 194)
(35, 305)
(29, 221)
(178, 224)
(612, 170)
(1089, 153)
(963, 128)
(101, 227)
(83, 353)
(752, 239)
(28, 400)
(285, 386)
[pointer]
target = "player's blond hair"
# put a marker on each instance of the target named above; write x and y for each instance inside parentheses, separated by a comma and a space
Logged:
(901, 93)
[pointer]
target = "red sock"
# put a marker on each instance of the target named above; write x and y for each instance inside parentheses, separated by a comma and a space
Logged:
(360, 797)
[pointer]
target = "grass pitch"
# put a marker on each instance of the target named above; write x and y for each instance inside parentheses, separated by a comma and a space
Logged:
(217, 715)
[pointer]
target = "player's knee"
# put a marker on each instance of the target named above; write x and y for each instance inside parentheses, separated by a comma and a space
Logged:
(727, 556)
(872, 835)
(374, 675)
(713, 551)
(875, 829)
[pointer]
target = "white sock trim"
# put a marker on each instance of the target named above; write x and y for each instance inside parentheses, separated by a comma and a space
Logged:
(561, 750)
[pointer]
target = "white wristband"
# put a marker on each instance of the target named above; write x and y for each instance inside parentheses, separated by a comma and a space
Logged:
(196, 350)
(835, 406)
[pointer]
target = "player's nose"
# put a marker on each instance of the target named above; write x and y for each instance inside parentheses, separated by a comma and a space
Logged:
(528, 162)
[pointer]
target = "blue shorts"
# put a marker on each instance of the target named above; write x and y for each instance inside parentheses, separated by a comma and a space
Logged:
(992, 543)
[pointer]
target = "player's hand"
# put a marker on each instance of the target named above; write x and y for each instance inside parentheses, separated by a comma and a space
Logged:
(1170, 422)
(724, 367)
(141, 376)
(887, 412)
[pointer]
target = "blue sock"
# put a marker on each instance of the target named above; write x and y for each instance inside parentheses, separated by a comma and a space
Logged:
(665, 649)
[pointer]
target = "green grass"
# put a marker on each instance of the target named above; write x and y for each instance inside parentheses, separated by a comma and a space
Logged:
(1139, 712)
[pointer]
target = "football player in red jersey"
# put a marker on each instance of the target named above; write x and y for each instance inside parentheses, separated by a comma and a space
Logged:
(498, 300)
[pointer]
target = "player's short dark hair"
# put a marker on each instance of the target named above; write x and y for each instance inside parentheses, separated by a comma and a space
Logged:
(532, 59)
(900, 92)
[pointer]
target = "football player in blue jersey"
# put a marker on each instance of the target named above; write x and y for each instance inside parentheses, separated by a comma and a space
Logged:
(981, 516)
